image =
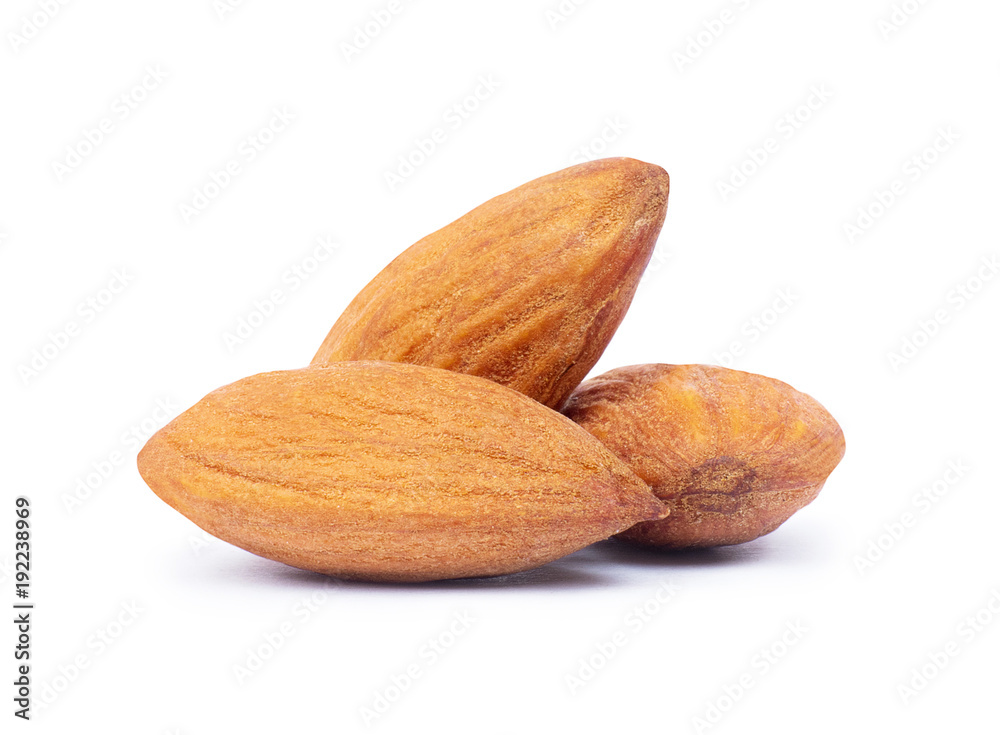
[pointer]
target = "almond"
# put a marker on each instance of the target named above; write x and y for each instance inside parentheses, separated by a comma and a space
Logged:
(391, 472)
(732, 454)
(525, 290)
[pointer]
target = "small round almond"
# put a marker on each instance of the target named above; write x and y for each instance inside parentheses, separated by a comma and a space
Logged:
(732, 454)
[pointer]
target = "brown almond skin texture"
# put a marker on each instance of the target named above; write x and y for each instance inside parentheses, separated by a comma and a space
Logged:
(391, 472)
(526, 290)
(732, 454)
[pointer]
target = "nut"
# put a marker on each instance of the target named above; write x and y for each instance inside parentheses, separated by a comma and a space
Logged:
(732, 454)
(525, 290)
(391, 472)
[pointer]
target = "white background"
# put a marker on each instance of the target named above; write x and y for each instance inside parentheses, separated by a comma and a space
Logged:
(611, 69)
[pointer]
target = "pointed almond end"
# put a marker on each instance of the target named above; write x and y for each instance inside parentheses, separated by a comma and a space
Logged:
(653, 509)
(635, 501)
(639, 175)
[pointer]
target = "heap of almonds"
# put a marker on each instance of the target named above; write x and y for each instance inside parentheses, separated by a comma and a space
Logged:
(442, 430)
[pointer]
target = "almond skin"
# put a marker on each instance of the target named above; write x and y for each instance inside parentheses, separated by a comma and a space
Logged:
(732, 454)
(526, 290)
(391, 472)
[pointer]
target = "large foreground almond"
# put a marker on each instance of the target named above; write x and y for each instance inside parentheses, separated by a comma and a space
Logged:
(395, 472)
(732, 454)
(525, 290)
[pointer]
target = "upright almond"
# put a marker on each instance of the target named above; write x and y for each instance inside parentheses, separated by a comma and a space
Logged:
(525, 290)
(382, 471)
